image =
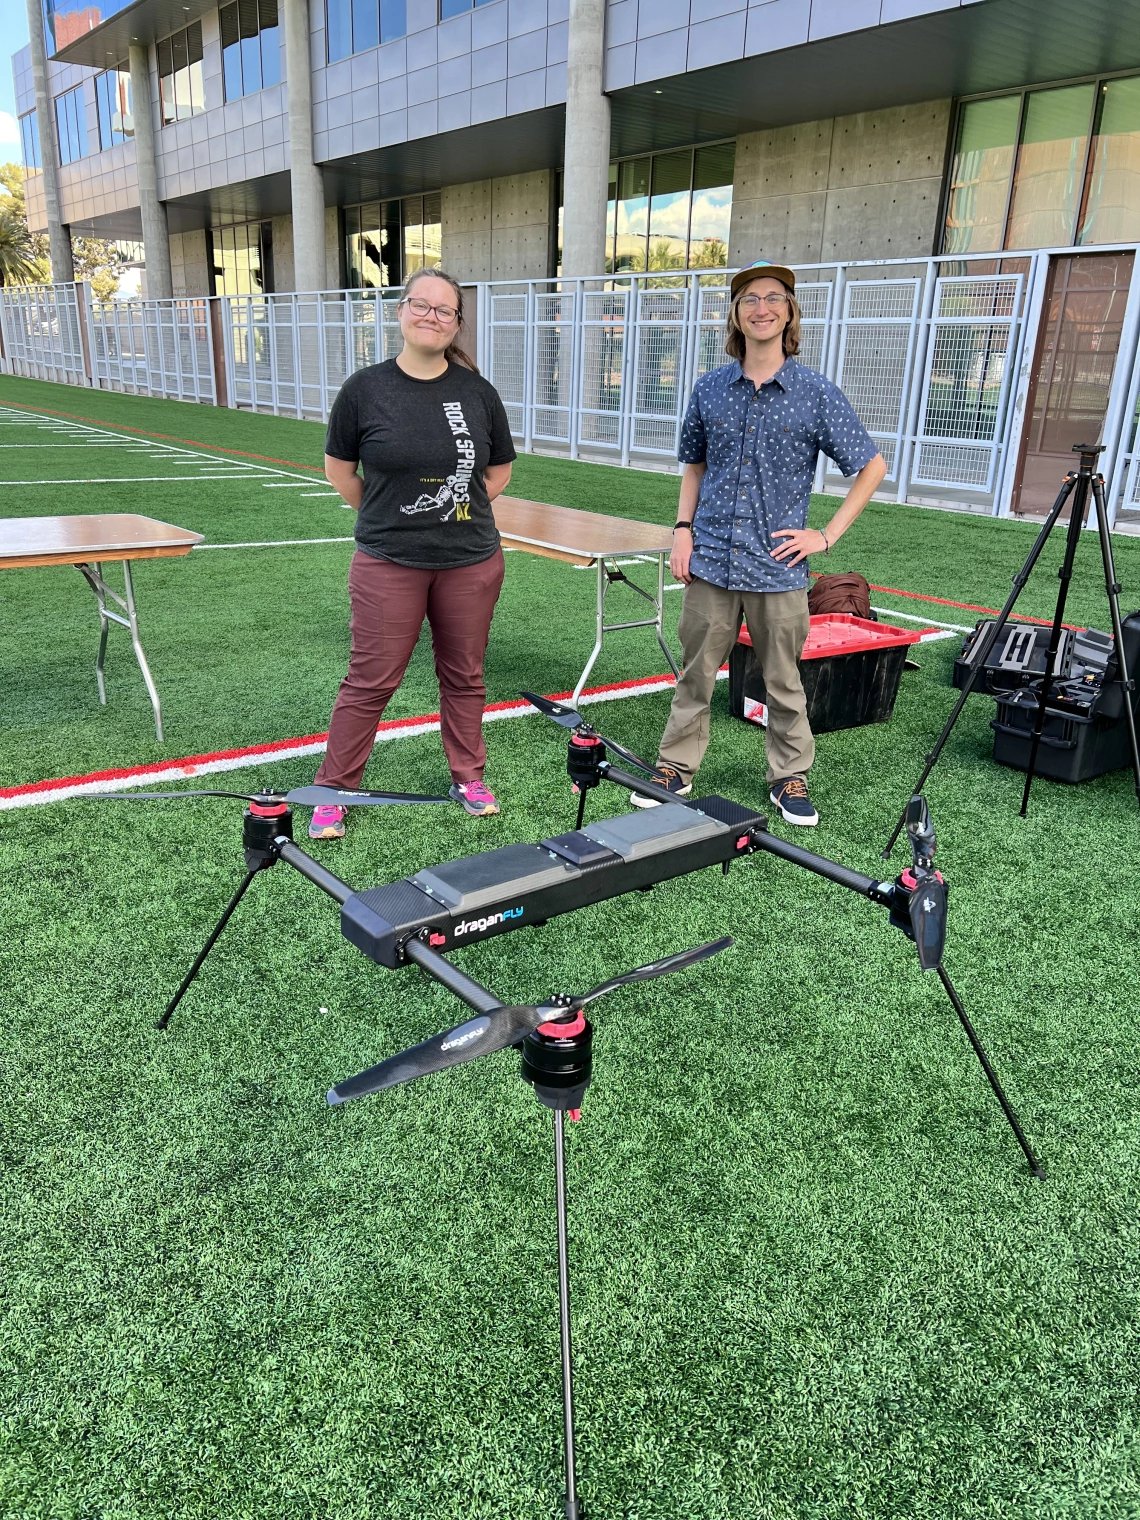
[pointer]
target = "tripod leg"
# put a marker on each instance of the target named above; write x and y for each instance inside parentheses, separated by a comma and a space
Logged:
(572, 1510)
(988, 642)
(1064, 575)
(206, 948)
(1112, 586)
(1035, 1166)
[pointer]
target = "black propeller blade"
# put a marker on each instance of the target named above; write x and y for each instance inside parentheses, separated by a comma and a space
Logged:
(306, 796)
(162, 796)
(928, 921)
(488, 1032)
(320, 796)
(568, 717)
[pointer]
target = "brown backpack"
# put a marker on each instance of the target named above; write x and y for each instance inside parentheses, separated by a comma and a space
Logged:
(848, 592)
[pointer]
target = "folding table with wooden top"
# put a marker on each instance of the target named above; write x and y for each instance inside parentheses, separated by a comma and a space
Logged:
(85, 542)
(589, 538)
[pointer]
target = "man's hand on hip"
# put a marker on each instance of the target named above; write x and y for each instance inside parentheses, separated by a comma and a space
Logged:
(798, 544)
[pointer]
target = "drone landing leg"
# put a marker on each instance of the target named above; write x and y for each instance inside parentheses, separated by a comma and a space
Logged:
(1035, 1166)
(572, 1510)
(206, 948)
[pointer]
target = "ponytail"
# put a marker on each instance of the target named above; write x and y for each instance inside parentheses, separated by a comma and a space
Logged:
(452, 353)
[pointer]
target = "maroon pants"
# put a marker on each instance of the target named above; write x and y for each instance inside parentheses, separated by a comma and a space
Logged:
(389, 604)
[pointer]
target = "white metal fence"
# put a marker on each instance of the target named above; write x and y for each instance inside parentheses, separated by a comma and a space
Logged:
(42, 328)
(935, 355)
(154, 348)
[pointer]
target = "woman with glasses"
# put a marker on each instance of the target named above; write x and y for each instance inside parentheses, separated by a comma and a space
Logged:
(433, 441)
(749, 443)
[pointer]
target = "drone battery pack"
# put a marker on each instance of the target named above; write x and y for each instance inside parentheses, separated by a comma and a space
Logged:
(461, 901)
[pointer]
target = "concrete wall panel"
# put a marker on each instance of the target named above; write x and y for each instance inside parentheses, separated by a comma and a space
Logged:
(865, 186)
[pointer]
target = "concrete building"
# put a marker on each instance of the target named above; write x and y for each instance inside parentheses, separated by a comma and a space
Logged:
(699, 132)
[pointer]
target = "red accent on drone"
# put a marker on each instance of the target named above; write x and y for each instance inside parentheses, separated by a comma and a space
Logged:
(564, 1031)
(268, 809)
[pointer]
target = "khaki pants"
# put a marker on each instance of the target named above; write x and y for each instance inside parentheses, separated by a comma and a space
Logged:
(778, 627)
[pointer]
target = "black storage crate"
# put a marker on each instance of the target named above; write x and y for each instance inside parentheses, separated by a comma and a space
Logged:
(850, 670)
(1072, 748)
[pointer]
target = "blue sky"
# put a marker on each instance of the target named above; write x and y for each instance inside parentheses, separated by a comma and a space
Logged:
(14, 32)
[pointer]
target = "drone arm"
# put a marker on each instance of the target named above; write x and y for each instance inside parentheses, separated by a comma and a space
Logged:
(294, 856)
(441, 970)
(639, 784)
(855, 881)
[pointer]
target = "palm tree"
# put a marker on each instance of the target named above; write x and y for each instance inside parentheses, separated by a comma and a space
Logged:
(18, 262)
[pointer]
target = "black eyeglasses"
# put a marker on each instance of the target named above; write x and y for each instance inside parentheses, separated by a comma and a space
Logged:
(420, 308)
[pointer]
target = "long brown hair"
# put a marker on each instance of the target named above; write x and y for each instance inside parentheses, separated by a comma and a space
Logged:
(452, 353)
(734, 344)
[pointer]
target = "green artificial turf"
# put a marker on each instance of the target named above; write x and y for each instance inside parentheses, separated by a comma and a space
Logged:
(812, 1276)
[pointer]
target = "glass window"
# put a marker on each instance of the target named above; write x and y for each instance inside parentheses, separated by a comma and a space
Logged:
(979, 177)
(1050, 167)
(671, 211)
(632, 215)
(180, 80)
(71, 125)
(386, 240)
(672, 181)
(713, 170)
(113, 98)
(1112, 200)
(449, 8)
(30, 139)
(241, 259)
(352, 26)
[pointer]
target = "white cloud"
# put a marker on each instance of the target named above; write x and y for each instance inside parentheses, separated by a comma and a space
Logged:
(9, 130)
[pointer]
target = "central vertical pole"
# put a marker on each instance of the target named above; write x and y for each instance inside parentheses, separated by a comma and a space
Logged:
(155, 231)
(572, 1510)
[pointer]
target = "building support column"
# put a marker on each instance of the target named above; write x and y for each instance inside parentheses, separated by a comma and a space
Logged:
(306, 183)
(59, 236)
(586, 173)
(156, 237)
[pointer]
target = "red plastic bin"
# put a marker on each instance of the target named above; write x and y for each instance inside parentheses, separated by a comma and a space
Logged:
(850, 668)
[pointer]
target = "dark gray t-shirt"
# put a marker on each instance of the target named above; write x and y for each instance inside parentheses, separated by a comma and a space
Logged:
(424, 445)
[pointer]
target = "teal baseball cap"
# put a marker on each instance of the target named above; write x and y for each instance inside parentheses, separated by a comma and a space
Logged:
(757, 271)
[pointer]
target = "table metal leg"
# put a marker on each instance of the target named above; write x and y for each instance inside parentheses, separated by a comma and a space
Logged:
(605, 576)
(93, 574)
(104, 629)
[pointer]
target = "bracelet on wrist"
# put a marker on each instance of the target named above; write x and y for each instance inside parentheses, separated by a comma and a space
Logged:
(826, 544)
(687, 525)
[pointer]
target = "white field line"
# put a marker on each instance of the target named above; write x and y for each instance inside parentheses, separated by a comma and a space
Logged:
(912, 617)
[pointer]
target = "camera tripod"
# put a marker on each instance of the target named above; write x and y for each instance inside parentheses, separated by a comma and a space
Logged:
(1078, 484)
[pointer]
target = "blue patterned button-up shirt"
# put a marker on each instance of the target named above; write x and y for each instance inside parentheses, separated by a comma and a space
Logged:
(761, 445)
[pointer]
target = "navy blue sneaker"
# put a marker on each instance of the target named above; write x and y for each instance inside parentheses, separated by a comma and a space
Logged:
(791, 797)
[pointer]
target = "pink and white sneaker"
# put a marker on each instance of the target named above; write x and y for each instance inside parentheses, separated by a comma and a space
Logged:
(327, 823)
(478, 799)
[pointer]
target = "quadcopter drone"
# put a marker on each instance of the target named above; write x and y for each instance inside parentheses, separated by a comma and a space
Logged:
(459, 902)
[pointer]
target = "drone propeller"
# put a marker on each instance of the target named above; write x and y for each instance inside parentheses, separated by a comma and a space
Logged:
(306, 796)
(488, 1032)
(568, 717)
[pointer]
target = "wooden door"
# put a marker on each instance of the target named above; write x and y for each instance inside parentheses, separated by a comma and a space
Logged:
(1076, 355)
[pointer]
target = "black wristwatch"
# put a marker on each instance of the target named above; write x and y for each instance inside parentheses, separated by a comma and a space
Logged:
(683, 525)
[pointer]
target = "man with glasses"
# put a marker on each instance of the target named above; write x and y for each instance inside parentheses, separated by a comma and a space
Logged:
(752, 434)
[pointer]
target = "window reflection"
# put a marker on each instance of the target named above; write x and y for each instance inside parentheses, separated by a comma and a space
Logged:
(385, 241)
(352, 26)
(1050, 167)
(180, 81)
(1112, 204)
(979, 179)
(241, 259)
(670, 211)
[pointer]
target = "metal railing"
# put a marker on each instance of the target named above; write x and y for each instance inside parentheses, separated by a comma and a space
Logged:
(935, 354)
(154, 348)
(43, 331)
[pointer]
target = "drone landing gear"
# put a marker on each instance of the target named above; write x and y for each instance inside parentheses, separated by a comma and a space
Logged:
(556, 1061)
